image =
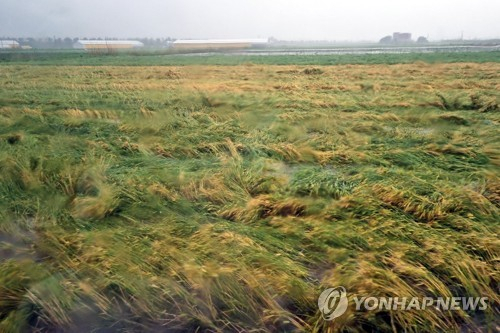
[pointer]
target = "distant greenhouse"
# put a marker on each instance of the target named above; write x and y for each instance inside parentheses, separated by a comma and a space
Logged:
(193, 44)
(9, 44)
(107, 44)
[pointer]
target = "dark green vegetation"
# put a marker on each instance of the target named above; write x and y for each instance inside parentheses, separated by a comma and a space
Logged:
(168, 58)
(227, 198)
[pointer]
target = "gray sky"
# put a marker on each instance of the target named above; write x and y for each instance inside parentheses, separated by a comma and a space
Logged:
(283, 19)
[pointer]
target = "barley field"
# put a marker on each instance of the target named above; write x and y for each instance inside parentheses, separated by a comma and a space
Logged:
(226, 198)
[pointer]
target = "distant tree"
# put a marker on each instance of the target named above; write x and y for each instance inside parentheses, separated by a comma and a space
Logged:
(422, 40)
(30, 41)
(386, 40)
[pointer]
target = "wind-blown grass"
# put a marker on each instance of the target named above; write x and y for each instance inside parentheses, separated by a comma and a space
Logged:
(206, 198)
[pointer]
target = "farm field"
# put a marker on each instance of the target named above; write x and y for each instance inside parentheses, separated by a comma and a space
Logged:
(227, 198)
(168, 57)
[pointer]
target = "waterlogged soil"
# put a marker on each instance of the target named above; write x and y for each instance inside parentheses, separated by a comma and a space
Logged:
(18, 247)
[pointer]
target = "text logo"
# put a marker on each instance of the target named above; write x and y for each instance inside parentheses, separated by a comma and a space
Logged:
(333, 303)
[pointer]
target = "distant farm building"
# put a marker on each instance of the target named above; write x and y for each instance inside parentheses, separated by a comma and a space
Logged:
(401, 37)
(107, 45)
(217, 44)
(9, 44)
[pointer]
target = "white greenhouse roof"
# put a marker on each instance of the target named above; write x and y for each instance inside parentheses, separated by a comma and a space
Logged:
(8, 43)
(110, 42)
(221, 41)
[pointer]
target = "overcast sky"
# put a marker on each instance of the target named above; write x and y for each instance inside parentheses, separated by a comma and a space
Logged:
(284, 19)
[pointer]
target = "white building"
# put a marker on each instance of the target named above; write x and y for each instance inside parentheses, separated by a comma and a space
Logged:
(9, 44)
(107, 44)
(193, 44)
